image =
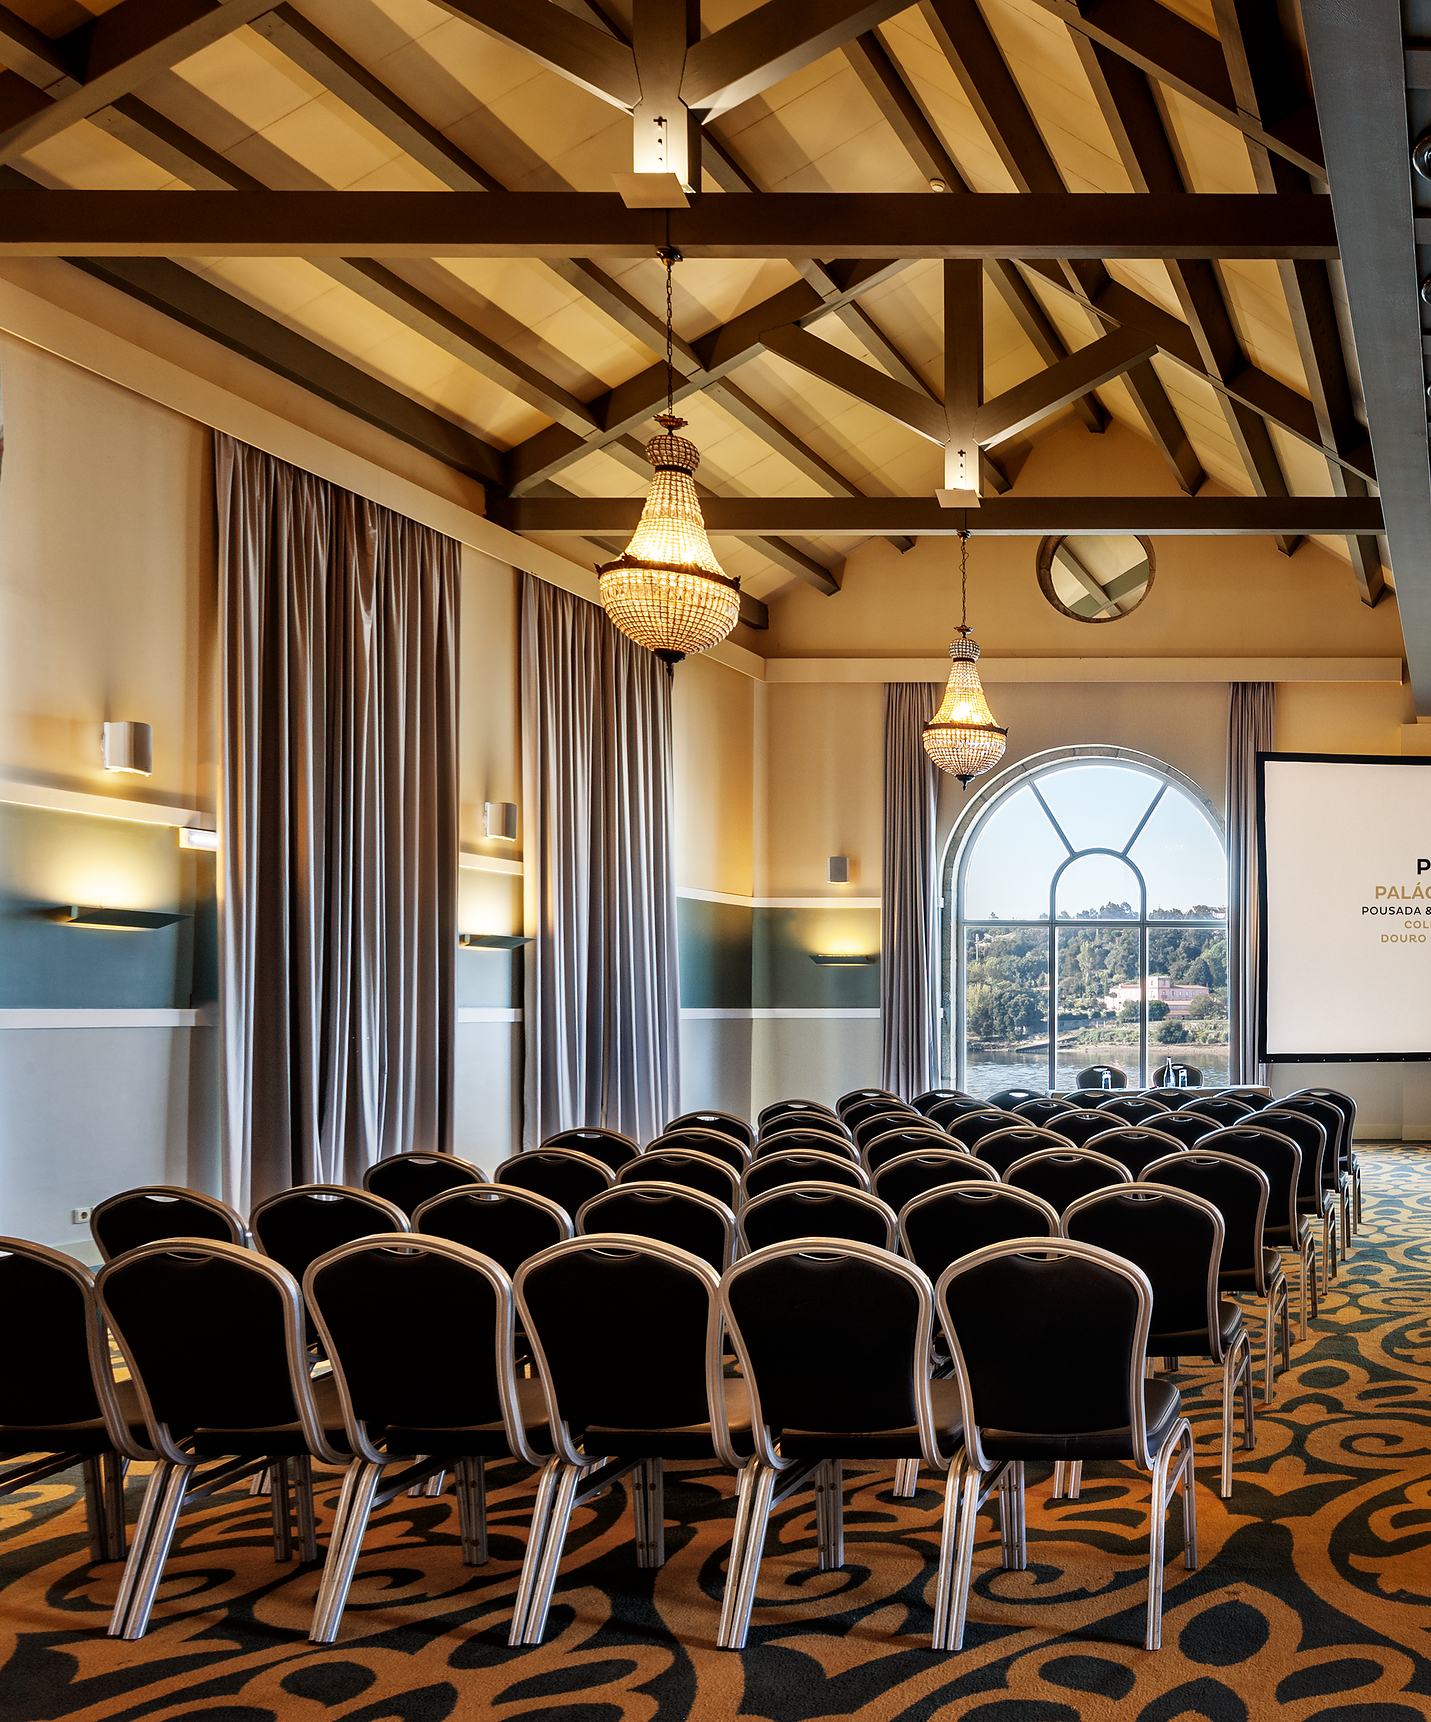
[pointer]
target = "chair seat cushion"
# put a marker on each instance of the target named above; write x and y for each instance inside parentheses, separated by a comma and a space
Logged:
(691, 1442)
(1244, 1280)
(87, 1437)
(281, 1438)
(1193, 1343)
(479, 1440)
(882, 1443)
(1162, 1407)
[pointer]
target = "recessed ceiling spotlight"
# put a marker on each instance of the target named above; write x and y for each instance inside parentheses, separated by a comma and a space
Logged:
(938, 185)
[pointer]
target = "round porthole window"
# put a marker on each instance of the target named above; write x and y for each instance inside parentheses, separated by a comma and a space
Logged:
(1096, 577)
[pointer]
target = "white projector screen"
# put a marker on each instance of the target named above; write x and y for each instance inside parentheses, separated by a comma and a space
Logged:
(1345, 882)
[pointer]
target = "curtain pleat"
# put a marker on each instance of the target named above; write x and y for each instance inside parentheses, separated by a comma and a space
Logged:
(909, 1022)
(601, 1004)
(1251, 729)
(339, 628)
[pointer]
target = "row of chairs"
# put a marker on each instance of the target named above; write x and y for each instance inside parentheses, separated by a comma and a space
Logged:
(833, 1347)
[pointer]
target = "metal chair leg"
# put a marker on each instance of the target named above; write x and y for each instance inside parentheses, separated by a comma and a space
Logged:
(1157, 1523)
(948, 1553)
(906, 1479)
(278, 1484)
(963, 1559)
(136, 1599)
(94, 1519)
(345, 1542)
(757, 1490)
(470, 1477)
(536, 1540)
(1074, 1475)
(555, 1543)
(648, 1504)
(112, 1467)
(830, 1514)
(1189, 1488)
(307, 1519)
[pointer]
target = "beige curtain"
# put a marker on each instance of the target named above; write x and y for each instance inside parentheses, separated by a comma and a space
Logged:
(601, 1005)
(338, 827)
(1251, 729)
(909, 958)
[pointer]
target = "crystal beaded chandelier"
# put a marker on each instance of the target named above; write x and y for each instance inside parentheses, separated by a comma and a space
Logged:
(962, 737)
(666, 590)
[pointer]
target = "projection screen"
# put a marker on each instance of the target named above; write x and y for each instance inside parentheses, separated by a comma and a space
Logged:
(1345, 889)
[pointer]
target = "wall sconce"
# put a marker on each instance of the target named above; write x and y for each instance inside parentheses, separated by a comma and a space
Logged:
(499, 820)
(839, 957)
(195, 837)
(127, 920)
(839, 870)
(128, 747)
(492, 941)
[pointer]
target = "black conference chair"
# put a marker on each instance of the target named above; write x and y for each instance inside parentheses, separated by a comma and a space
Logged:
(1223, 1109)
(944, 1112)
(1080, 1127)
(861, 1096)
(1102, 1076)
(1001, 1148)
(60, 1405)
(1133, 1109)
(1083, 1097)
(213, 1337)
(563, 1175)
(882, 1123)
(738, 1129)
(789, 1138)
(1256, 1098)
(713, 1144)
(1239, 1191)
(932, 1097)
(1347, 1178)
(1187, 1128)
(1176, 1076)
(898, 1182)
(834, 1347)
(971, 1127)
(880, 1150)
(691, 1171)
(1058, 1375)
(421, 1339)
(1316, 1198)
(497, 1220)
(801, 1167)
(816, 1211)
(297, 1226)
(1061, 1175)
(954, 1220)
(1042, 1110)
(1134, 1147)
(685, 1218)
(1280, 1158)
(155, 1211)
(1006, 1099)
(609, 1146)
(407, 1180)
(621, 1408)
(1176, 1239)
(874, 1111)
(794, 1108)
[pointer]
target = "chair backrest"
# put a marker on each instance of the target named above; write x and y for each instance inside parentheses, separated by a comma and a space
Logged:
(860, 1096)
(899, 1181)
(56, 1356)
(954, 1220)
(1006, 1099)
(801, 1167)
(944, 1112)
(793, 1108)
(420, 1336)
(409, 1179)
(1256, 1098)
(1278, 1156)
(713, 1144)
(497, 1220)
(563, 1175)
(788, 1137)
(880, 1150)
(1336, 1112)
(155, 1211)
(1001, 1148)
(297, 1226)
(1079, 1125)
(1222, 1109)
(1062, 1175)
(693, 1171)
(1310, 1135)
(1134, 1147)
(882, 1123)
(738, 1129)
(213, 1335)
(624, 1331)
(857, 1112)
(1103, 1076)
(972, 1127)
(1176, 1239)
(1176, 1075)
(1133, 1108)
(831, 1339)
(816, 1211)
(932, 1097)
(609, 1146)
(1236, 1188)
(1041, 1110)
(1185, 1127)
(1065, 1353)
(673, 1214)
(1082, 1097)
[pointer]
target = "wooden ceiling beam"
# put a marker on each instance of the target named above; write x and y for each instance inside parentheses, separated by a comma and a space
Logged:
(854, 377)
(583, 53)
(859, 227)
(747, 56)
(1022, 406)
(997, 516)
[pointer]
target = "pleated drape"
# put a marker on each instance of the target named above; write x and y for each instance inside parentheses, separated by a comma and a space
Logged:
(909, 958)
(1251, 729)
(601, 1005)
(338, 826)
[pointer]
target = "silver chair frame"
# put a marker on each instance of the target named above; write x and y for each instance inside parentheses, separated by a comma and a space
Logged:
(815, 1158)
(1023, 1130)
(239, 1233)
(1331, 1249)
(647, 1170)
(813, 1187)
(1303, 1242)
(656, 1187)
(693, 1121)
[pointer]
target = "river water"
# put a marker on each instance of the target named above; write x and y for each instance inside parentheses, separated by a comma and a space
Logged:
(988, 1072)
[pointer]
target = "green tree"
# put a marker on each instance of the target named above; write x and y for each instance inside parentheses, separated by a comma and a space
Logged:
(1206, 1007)
(1128, 1011)
(1171, 1032)
(1157, 1010)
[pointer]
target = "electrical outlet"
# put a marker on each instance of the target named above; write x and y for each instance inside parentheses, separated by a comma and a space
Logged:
(79, 1216)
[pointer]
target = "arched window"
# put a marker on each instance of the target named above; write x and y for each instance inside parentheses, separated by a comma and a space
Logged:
(1085, 911)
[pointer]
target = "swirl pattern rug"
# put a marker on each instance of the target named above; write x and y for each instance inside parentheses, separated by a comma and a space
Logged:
(1312, 1602)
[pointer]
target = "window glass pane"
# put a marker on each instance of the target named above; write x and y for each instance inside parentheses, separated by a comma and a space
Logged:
(1006, 1006)
(1013, 860)
(1101, 885)
(1099, 805)
(1093, 1028)
(1187, 999)
(1182, 859)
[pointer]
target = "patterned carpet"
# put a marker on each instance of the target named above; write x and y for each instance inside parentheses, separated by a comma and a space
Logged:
(1313, 1601)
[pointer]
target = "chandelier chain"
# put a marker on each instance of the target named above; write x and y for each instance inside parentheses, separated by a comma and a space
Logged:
(964, 581)
(670, 262)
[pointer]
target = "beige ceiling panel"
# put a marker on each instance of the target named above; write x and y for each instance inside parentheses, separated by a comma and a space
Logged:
(330, 140)
(1305, 470)
(84, 158)
(399, 174)
(1259, 307)
(371, 30)
(470, 399)
(1197, 12)
(1145, 275)
(247, 77)
(278, 285)
(932, 78)
(601, 474)
(1215, 152)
